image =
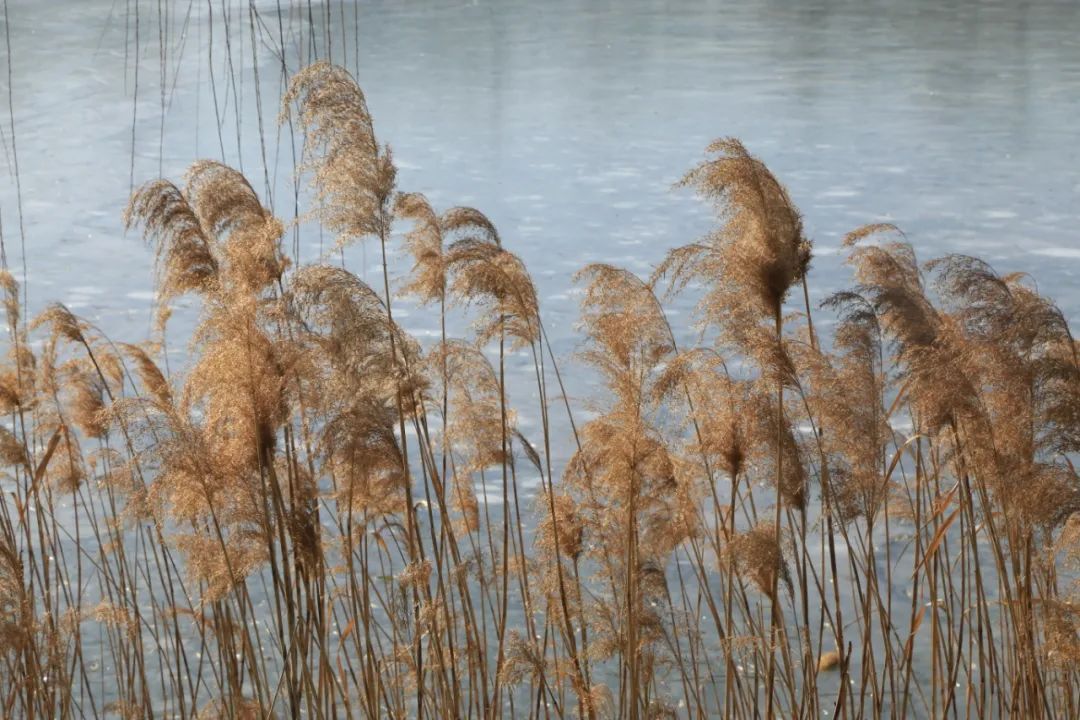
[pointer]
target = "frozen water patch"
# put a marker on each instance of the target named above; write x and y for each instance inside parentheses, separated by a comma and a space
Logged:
(1000, 214)
(407, 165)
(904, 426)
(840, 192)
(489, 496)
(141, 295)
(1069, 253)
(530, 482)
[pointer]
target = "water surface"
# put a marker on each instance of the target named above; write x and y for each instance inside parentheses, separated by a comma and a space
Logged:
(566, 122)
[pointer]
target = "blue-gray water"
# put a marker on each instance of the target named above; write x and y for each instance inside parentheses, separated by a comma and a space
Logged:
(566, 122)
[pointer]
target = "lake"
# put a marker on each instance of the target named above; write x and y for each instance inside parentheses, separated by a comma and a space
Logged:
(567, 123)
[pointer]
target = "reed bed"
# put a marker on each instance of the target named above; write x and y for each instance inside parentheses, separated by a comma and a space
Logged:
(320, 516)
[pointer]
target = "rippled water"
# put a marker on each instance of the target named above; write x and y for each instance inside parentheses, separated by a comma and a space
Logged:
(566, 122)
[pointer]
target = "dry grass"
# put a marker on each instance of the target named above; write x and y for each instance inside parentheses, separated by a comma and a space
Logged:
(291, 526)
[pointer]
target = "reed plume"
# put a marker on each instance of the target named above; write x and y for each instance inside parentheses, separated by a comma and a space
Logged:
(426, 242)
(352, 175)
(482, 273)
(759, 251)
(626, 475)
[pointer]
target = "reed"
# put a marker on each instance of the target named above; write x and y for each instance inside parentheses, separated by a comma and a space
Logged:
(866, 509)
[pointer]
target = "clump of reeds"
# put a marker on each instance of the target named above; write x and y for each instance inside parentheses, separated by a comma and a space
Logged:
(321, 516)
